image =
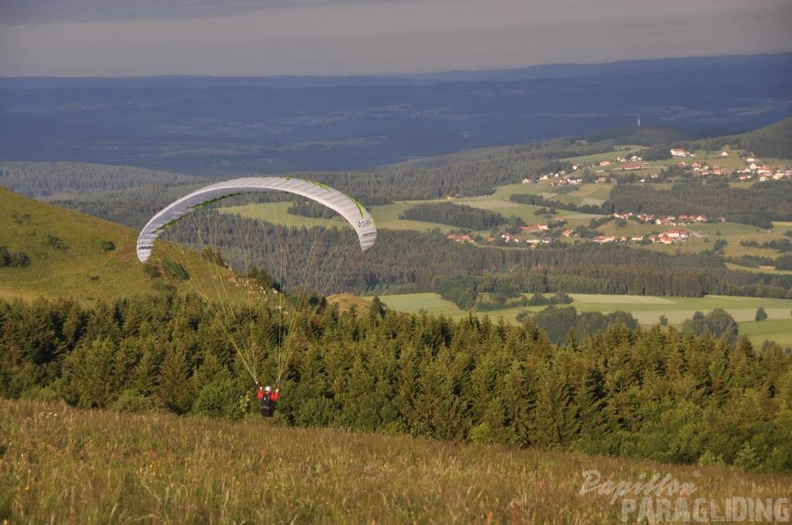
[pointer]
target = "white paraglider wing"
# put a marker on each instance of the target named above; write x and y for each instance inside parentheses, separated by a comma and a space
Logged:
(347, 207)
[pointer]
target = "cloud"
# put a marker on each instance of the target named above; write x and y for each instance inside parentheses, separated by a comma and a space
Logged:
(267, 37)
(17, 12)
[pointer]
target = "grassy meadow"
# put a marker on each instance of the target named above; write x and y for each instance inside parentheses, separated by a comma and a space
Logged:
(66, 466)
(646, 309)
(55, 252)
(70, 257)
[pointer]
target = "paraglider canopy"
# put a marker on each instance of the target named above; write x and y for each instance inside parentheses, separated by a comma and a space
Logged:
(350, 209)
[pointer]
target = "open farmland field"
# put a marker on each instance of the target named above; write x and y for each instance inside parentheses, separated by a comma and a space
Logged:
(504, 192)
(591, 194)
(505, 208)
(387, 217)
(159, 468)
(647, 310)
(610, 155)
(276, 212)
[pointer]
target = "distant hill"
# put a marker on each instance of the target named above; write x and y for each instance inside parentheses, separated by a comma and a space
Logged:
(222, 127)
(773, 141)
(121, 194)
(68, 254)
(129, 195)
(569, 70)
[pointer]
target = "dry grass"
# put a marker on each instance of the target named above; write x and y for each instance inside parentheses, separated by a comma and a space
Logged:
(60, 465)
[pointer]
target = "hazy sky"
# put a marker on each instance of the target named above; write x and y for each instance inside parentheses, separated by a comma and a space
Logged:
(339, 37)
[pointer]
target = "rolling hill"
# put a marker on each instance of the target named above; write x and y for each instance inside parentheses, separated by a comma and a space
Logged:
(63, 253)
(223, 127)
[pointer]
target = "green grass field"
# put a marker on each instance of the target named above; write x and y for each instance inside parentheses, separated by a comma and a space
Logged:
(66, 466)
(34, 229)
(647, 310)
(387, 217)
(626, 151)
(67, 259)
(276, 212)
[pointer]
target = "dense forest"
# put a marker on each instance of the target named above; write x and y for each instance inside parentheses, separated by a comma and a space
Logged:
(409, 261)
(117, 192)
(655, 393)
(457, 215)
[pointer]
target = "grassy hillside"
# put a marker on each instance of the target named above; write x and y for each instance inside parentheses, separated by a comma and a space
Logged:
(74, 255)
(62, 465)
(121, 194)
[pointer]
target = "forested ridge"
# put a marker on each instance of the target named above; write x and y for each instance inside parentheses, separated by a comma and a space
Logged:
(410, 261)
(653, 393)
(116, 193)
(774, 141)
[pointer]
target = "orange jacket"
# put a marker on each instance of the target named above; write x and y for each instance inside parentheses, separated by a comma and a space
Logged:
(273, 395)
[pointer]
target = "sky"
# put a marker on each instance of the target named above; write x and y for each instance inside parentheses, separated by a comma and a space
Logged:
(354, 37)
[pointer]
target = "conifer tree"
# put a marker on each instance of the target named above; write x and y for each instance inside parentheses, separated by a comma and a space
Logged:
(555, 422)
(88, 375)
(173, 389)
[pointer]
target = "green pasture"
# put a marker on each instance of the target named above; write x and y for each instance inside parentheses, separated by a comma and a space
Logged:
(729, 229)
(629, 229)
(583, 194)
(276, 212)
(506, 191)
(778, 330)
(430, 303)
(502, 206)
(625, 151)
(647, 310)
(387, 217)
(759, 269)
(594, 191)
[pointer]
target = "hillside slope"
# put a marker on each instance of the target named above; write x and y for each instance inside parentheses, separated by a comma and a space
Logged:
(62, 253)
(774, 140)
(159, 468)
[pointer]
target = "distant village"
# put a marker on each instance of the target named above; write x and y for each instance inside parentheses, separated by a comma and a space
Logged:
(752, 169)
(676, 232)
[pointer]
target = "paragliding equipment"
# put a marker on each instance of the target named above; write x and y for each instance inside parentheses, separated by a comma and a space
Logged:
(349, 208)
(196, 214)
(267, 400)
